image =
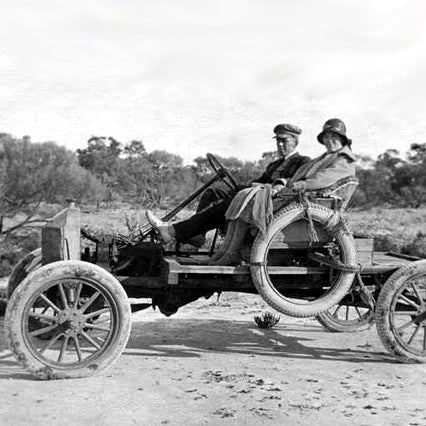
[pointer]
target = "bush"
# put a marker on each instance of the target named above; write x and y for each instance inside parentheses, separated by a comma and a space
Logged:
(388, 243)
(266, 320)
(418, 246)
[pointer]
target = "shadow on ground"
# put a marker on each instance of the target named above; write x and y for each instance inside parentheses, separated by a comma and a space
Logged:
(194, 337)
(188, 338)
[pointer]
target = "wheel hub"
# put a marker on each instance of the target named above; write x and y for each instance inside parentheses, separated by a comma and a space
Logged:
(421, 317)
(72, 321)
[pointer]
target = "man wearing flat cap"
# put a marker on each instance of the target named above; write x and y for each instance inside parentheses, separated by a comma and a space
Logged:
(282, 169)
(211, 210)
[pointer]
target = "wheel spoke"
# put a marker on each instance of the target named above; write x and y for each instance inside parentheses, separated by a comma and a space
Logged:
(337, 309)
(347, 312)
(43, 330)
(407, 324)
(96, 327)
(96, 313)
(50, 303)
(77, 293)
(63, 296)
(43, 316)
(419, 326)
(77, 348)
(357, 311)
(90, 340)
(63, 348)
(50, 343)
(411, 313)
(409, 301)
(103, 321)
(416, 291)
(90, 301)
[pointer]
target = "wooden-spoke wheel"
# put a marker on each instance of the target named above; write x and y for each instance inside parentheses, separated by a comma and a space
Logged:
(68, 319)
(401, 313)
(346, 318)
(285, 268)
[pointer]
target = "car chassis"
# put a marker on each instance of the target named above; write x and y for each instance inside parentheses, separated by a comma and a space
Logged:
(69, 310)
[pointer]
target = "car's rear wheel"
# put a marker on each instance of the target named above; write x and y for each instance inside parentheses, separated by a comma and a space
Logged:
(401, 313)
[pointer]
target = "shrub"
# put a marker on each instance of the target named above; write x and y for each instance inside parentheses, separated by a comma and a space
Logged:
(266, 320)
(418, 246)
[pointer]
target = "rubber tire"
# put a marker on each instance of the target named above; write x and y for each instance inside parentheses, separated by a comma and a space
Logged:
(260, 277)
(383, 312)
(27, 264)
(329, 323)
(62, 270)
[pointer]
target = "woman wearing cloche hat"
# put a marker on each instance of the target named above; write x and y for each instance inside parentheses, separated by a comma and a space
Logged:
(336, 163)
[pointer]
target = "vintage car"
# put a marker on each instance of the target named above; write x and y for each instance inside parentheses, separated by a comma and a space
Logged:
(69, 315)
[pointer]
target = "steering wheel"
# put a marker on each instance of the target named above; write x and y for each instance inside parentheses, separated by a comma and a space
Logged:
(223, 174)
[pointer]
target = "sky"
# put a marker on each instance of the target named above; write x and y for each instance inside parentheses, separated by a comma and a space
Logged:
(193, 76)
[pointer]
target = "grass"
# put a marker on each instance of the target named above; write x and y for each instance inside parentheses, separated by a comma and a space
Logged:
(393, 229)
(401, 230)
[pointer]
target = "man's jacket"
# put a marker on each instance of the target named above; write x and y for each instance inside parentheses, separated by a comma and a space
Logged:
(326, 169)
(285, 168)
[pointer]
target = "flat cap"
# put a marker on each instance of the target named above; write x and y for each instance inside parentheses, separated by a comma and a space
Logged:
(286, 128)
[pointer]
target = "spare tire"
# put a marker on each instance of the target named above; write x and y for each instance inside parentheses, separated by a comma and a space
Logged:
(327, 293)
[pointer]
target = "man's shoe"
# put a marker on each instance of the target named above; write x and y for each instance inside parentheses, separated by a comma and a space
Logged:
(160, 226)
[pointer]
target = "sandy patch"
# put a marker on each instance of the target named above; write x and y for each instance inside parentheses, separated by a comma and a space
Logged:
(210, 364)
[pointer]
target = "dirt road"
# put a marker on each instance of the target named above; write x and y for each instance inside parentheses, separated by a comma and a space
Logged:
(210, 364)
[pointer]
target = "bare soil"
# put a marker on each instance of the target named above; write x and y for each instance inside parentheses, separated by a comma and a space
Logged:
(210, 364)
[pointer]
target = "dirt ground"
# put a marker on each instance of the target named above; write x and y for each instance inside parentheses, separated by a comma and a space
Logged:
(210, 364)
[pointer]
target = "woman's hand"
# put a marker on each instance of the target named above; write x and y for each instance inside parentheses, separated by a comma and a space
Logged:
(276, 188)
(298, 186)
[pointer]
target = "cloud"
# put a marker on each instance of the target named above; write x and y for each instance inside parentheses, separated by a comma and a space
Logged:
(192, 77)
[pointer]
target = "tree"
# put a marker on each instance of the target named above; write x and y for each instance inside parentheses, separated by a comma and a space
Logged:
(134, 149)
(101, 156)
(165, 169)
(32, 173)
(417, 153)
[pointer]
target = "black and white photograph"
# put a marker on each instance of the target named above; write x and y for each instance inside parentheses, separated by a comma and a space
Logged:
(213, 213)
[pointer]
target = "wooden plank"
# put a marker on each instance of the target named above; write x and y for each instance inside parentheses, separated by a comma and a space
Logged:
(364, 250)
(61, 236)
(145, 281)
(364, 243)
(385, 262)
(175, 267)
(52, 248)
(381, 258)
(172, 271)
(72, 234)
